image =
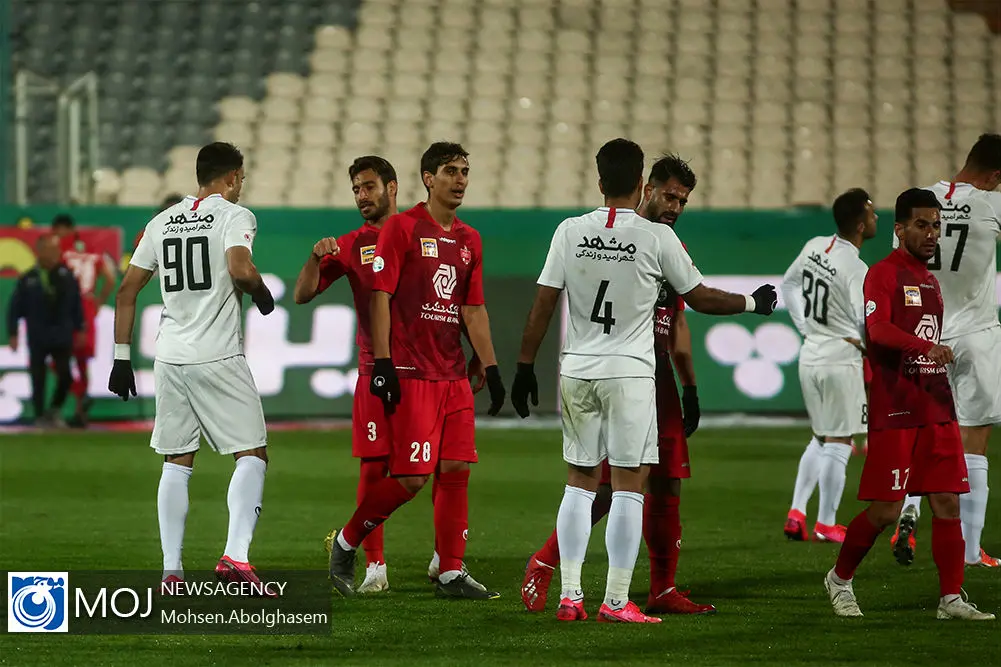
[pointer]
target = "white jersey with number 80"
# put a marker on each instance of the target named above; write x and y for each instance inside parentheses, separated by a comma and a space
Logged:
(187, 243)
(611, 262)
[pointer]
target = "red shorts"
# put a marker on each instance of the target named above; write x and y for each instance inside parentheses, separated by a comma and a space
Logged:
(433, 422)
(866, 371)
(672, 445)
(369, 426)
(916, 461)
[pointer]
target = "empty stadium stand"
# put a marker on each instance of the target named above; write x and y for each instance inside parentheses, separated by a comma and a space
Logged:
(776, 102)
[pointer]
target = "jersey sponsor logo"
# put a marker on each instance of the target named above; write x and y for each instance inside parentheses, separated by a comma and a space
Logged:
(378, 264)
(444, 280)
(439, 313)
(870, 307)
(961, 212)
(466, 255)
(429, 247)
(367, 254)
(609, 251)
(912, 296)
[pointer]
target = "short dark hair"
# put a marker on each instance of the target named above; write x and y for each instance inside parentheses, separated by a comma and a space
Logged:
(215, 160)
(439, 153)
(912, 199)
(986, 153)
(63, 220)
(848, 208)
(377, 164)
(620, 167)
(672, 166)
(170, 200)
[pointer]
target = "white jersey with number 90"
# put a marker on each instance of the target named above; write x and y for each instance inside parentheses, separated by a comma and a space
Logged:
(187, 244)
(611, 262)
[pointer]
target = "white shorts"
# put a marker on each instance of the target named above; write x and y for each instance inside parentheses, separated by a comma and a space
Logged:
(615, 418)
(976, 377)
(217, 399)
(835, 399)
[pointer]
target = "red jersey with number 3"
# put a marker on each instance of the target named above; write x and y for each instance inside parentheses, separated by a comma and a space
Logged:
(357, 253)
(430, 273)
(907, 390)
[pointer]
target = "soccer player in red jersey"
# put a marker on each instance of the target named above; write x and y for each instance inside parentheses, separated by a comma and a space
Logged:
(665, 196)
(88, 267)
(428, 285)
(914, 443)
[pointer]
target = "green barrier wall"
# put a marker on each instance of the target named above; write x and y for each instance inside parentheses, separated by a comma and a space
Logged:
(303, 356)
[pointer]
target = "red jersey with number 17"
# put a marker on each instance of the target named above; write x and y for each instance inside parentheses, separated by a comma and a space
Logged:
(908, 390)
(357, 253)
(430, 273)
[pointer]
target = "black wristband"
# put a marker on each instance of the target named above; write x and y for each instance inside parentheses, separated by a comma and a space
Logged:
(492, 372)
(525, 368)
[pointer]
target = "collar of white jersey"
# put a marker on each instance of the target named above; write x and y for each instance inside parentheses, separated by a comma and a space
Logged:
(839, 240)
(605, 209)
(214, 194)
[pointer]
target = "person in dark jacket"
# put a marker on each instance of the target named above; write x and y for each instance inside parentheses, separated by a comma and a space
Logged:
(48, 298)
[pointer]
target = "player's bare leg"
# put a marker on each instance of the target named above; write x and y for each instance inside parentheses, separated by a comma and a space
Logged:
(810, 466)
(947, 549)
(662, 531)
(543, 563)
(623, 533)
(172, 512)
(246, 493)
(859, 538)
(837, 452)
(973, 505)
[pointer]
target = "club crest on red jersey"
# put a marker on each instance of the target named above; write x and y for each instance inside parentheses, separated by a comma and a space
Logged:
(466, 255)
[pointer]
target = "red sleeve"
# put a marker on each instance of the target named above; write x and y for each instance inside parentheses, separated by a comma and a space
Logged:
(879, 289)
(474, 293)
(390, 250)
(334, 267)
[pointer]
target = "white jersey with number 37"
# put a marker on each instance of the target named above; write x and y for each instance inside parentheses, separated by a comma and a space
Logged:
(611, 262)
(965, 262)
(187, 244)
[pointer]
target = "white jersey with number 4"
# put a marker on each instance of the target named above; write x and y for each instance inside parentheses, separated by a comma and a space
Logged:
(966, 260)
(823, 291)
(187, 243)
(611, 262)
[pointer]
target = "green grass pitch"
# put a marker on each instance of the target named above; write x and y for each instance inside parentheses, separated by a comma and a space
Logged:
(87, 501)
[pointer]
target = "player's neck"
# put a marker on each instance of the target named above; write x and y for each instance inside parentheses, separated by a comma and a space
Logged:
(854, 240)
(209, 190)
(973, 177)
(621, 202)
(442, 215)
(379, 222)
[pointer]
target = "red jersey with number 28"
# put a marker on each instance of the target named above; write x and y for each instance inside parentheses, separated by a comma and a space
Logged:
(908, 390)
(357, 253)
(430, 273)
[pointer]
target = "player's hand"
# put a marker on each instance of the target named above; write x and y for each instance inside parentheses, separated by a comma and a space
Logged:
(384, 384)
(940, 354)
(123, 380)
(324, 247)
(765, 300)
(477, 376)
(856, 343)
(496, 389)
(265, 302)
(690, 406)
(13, 342)
(524, 385)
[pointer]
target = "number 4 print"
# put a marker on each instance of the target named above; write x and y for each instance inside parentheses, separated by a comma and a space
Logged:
(605, 319)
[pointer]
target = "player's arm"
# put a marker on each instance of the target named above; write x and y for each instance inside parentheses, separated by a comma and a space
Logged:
(477, 324)
(239, 243)
(390, 252)
(856, 302)
(880, 286)
(108, 279)
(681, 350)
(792, 288)
(323, 267)
(122, 382)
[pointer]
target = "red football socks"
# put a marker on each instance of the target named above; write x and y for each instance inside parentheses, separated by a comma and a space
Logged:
(434, 496)
(381, 500)
(451, 518)
(550, 551)
(373, 471)
(859, 538)
(947, 548)
(662, 532)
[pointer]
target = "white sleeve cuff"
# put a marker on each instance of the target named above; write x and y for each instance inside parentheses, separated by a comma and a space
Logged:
(123, 351)
(749, 303)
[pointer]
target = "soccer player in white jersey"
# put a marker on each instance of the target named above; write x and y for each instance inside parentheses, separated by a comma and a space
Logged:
(965, 264)
(611, 262)
(823, 291)
(201, 248)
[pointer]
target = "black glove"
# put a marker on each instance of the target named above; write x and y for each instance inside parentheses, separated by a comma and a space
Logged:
(765, 300)
(496, 389)
(384, 383)
(690, 405)
(122, 381)
(524, 385)
(265, 304)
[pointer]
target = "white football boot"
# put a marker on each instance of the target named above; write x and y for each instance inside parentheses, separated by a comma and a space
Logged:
(842, 596)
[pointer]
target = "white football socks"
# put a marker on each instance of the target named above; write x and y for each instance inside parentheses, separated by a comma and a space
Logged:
(573, 531)
(172, 510)
(246, 490)
(623, 534)
(832, 481)
(811, 463)
(915, 502)
(973, 505)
